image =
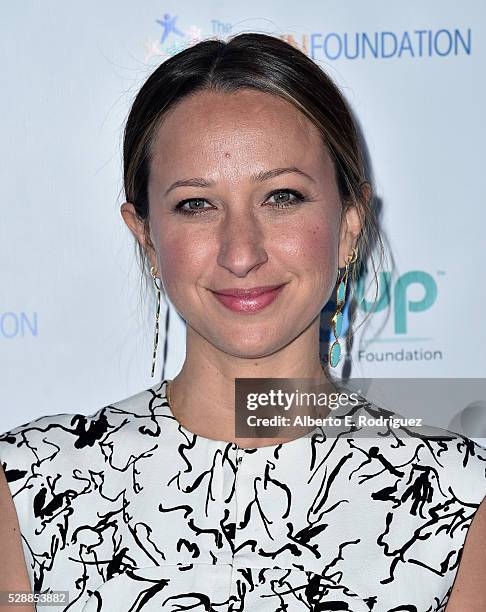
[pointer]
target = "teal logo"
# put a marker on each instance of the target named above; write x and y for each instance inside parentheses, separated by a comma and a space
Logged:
(397, 297)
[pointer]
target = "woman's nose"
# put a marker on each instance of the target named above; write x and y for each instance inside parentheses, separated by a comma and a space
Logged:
(242, 243)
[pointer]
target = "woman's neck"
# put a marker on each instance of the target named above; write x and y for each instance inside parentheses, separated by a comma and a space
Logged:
(202, 395)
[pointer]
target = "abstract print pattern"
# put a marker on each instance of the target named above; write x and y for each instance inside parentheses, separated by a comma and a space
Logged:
(128, 510)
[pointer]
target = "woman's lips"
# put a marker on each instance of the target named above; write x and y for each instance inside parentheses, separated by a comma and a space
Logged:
(249, 303)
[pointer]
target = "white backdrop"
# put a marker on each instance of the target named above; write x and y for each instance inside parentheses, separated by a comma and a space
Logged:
(74, 333)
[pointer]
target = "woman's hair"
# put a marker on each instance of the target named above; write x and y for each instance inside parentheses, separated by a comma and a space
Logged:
(267, 64)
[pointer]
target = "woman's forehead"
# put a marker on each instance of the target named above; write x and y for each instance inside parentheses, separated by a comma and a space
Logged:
(226, 130)
(234, 116)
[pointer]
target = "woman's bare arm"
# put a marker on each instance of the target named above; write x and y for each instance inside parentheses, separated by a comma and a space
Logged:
(469, 588)
(13, 570)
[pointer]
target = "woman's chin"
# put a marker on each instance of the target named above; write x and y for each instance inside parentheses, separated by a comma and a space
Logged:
(250, 346)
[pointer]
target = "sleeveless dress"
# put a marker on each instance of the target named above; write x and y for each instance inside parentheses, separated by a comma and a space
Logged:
(127, 510)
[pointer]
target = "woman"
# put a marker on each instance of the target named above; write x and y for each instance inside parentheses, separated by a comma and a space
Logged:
(242, 171)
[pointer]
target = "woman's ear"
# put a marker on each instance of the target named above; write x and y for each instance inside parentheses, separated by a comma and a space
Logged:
(350, 229)
(131, 219)
(139, 229)
(351, 225)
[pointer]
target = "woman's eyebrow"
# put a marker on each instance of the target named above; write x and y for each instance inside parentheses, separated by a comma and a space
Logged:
(256, 178)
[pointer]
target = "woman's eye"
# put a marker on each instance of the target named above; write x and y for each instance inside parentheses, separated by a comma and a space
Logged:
(286, 202)
(195, 206)
(191, 211)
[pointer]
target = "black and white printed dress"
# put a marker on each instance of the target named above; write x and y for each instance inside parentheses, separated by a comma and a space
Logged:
(127, 510)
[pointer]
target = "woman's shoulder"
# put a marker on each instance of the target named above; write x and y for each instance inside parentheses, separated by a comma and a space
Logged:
(73, 435)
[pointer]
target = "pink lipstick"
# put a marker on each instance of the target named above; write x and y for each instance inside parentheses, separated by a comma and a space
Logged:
(248, 300)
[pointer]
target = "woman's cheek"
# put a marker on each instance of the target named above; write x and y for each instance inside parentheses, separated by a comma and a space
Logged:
(171, 256)
(312, 246)
(183, 256)
(323, 245)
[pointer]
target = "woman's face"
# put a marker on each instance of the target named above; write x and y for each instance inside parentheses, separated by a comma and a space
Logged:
(250, 157)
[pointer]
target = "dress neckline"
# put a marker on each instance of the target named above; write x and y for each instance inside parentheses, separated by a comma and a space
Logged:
(162, 391)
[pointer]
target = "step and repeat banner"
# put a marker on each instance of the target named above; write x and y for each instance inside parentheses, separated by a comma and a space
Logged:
(76, 325)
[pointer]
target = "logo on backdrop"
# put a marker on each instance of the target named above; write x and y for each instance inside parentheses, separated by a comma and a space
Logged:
(405, 311)
(18, 324)
(168, 25)
(415, 44)
(397, 297)
(330, 46)
(172, 38)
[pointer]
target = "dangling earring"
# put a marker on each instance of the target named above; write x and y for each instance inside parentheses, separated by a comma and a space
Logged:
(337, 318)
(153, 272)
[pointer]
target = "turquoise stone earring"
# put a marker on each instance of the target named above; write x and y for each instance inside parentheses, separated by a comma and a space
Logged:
(337, 318)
